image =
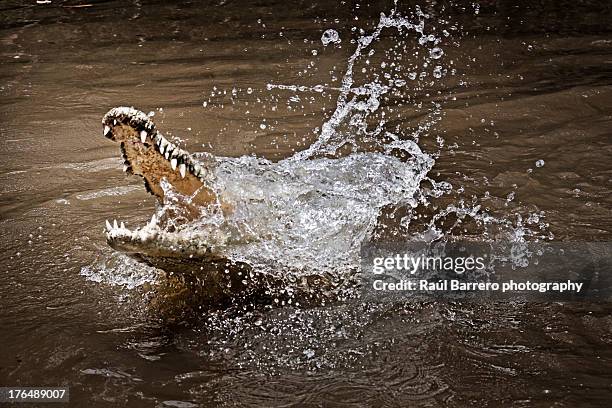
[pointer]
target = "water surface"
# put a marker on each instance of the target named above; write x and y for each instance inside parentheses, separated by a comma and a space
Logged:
(521, 130)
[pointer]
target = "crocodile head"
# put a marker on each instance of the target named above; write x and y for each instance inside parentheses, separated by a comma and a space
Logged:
(162, 165)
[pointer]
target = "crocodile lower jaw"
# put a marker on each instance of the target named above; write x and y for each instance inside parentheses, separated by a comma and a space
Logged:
(150, 240)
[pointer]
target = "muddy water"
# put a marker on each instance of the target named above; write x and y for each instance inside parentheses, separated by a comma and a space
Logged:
(523, 131)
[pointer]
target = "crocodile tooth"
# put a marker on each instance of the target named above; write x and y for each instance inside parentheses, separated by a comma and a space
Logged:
(115, 226)
(106, 130)
(173, 164)
(143, 136)
(122, 225)
(167, 155)
(182, 170)
(125, 168)
(114, 122)
(109, 227)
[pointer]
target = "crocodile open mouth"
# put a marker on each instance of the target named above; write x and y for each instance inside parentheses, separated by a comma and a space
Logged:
(148, 154)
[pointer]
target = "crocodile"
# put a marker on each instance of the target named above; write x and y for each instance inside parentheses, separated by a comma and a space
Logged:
(147, 153)
(193, 255)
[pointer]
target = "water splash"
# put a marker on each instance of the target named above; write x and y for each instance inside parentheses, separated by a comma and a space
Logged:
(310, 213)
(355, 104)
(313, 215)
(118, 269)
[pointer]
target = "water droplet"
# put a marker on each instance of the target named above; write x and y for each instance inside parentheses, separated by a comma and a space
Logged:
(436, 52)
(437, 72)
(540, 163)
(330, 36)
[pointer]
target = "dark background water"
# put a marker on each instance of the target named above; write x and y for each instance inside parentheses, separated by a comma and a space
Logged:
(538, 79)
